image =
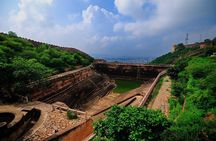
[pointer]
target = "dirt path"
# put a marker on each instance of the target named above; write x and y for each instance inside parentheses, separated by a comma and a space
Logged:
(161, 100)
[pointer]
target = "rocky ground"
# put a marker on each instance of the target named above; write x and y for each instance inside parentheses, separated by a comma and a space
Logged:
(55, 121)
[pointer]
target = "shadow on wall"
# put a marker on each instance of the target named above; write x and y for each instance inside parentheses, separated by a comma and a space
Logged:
(14, 130)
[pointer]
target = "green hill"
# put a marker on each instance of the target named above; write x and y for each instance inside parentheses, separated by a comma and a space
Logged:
(54, 57)
(23, 61)
(193, 101)
(172, 57)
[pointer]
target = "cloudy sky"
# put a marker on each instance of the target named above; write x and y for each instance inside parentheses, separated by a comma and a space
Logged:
(111, 27)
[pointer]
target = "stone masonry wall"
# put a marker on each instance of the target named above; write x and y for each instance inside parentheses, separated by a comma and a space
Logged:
(58, 82)
(129, 71)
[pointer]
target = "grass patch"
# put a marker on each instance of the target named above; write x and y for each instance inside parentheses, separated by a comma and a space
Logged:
(126, 85)
(155, 91)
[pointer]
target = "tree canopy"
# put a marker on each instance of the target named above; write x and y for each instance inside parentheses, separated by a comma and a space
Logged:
(130, 124)
(22, 62)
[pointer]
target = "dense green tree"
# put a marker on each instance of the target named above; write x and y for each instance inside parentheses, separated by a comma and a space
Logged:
(131, 123)
(12, 34)
(22, 62)
(177, 68)
(207, 41)
(16, 76)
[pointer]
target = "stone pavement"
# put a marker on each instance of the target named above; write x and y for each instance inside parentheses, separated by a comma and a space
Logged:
(161, 100)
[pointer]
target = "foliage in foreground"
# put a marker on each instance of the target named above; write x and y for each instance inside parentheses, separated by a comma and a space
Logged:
(130, 124)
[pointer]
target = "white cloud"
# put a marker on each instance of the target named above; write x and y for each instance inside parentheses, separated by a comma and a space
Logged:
(30, 13)
(131, 8)
(94, 30)
(165, 14)
(138, 26)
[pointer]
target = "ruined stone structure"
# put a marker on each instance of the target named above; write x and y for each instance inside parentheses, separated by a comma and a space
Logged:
(129, 71)
(75, 88)
(88, 89)
(39, 121)
(197, 44)
(58, 82)
(82, 87)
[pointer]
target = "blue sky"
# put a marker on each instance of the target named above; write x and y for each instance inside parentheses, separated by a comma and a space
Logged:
(145, 28)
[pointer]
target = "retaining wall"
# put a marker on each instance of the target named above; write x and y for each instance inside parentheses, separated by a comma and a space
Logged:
(58, 82)
(77, 133)
(129, 71)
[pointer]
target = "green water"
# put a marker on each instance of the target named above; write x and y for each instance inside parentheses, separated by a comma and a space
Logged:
(126, 85)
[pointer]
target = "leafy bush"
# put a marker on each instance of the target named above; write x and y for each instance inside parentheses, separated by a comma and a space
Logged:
(16, 76)
(131, 123)
(179, 66)
(12, 34)
(194, 81)
(71, 115)
(22, 62)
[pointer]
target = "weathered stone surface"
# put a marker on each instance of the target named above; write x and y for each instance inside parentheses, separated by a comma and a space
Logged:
(129, 71)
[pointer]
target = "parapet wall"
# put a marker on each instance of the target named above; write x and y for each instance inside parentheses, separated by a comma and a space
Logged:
(129, 71)
(145, 98)
(60, 81)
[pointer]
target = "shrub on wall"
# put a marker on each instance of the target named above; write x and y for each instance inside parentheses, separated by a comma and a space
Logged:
(71, 115)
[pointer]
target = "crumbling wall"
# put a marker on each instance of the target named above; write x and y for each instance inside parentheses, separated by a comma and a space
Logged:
(129, 71)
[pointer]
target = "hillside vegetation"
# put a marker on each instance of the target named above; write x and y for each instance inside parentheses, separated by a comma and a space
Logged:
(192, 114)
(21, 62)
(193, 105)
(182, 52)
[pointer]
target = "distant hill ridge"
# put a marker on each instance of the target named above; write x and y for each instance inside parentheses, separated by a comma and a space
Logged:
(38, 43)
